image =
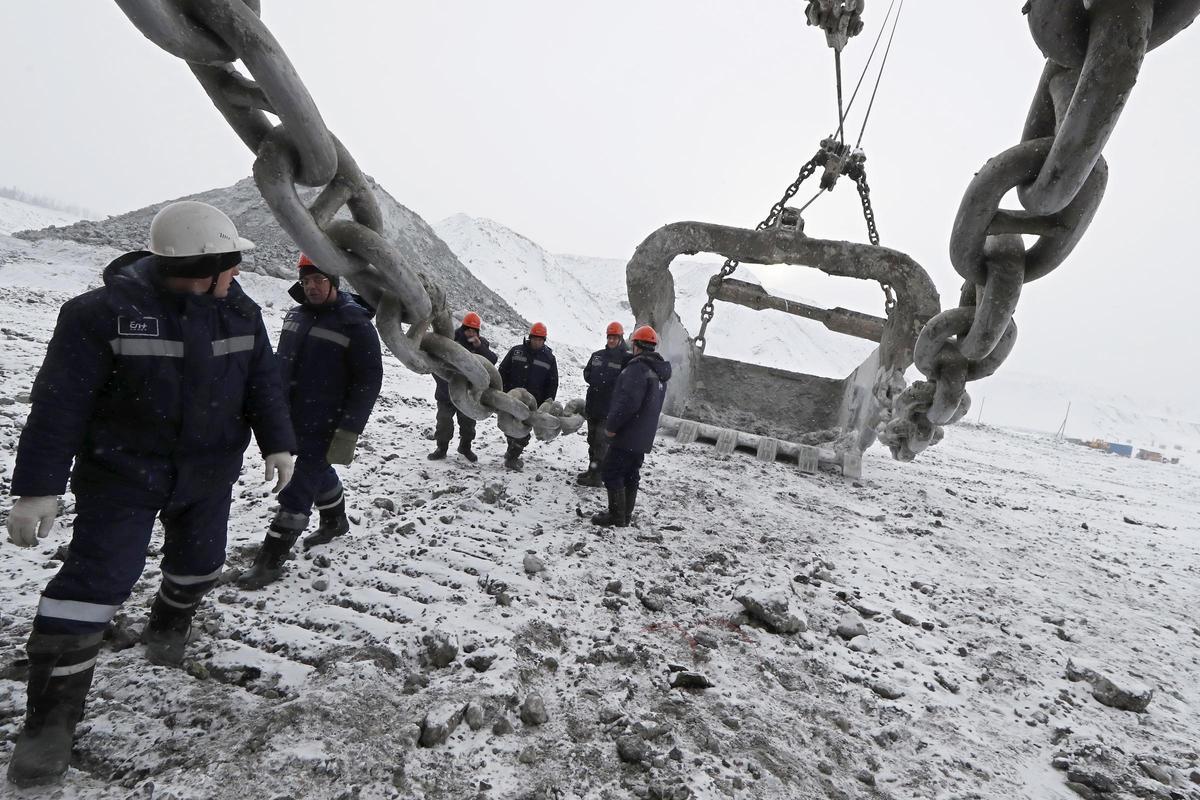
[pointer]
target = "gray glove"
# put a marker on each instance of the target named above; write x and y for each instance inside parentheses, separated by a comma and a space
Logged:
(31, 519)
(341, 448)
(278, 464)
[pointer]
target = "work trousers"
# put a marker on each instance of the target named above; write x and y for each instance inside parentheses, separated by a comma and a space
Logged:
(108, 553)
(446, 412)
(314, 482)
(622, 468)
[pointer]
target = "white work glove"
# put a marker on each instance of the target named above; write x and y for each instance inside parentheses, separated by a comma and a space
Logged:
(31, 519)
(278, 464)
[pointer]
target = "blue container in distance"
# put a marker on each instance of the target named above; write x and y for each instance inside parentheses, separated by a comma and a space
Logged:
(1121, 449)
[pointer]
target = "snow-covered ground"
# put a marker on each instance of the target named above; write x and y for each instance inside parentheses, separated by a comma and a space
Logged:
(977, 572)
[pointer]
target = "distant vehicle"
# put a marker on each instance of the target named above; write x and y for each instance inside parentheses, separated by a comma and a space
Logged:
(1150, 455)
(1125, 450)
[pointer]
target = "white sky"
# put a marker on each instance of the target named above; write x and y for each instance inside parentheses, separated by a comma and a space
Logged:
(587, 125)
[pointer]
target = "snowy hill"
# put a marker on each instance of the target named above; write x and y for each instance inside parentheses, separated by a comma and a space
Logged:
(275, 253)
(975, 572)
(16, 215)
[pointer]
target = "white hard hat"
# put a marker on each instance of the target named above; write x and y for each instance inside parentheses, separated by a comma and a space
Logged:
(192, 228)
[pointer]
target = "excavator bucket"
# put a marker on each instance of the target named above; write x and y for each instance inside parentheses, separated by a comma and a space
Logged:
(774, 413)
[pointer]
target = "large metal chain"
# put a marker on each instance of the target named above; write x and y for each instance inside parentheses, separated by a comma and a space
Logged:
(730, 265)
(211, 35)
(1094, 51)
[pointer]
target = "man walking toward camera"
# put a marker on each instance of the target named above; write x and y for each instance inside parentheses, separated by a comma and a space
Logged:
(332, 368)
(151, 385)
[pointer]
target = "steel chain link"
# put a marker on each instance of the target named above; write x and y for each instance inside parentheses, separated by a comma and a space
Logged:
(1094, 51)
(211, 35)
(730, 266)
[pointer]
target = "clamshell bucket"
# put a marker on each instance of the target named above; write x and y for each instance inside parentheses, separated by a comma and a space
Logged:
(773, 412)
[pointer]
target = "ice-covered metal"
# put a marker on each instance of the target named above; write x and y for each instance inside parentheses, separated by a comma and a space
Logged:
(1094, 51)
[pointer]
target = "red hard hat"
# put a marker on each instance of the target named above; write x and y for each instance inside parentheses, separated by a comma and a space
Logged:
(614, 329)
(538, 329)
(645, 334)
(305, 261)
(472, 320)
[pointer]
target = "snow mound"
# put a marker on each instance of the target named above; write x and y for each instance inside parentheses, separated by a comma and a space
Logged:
(275, 254)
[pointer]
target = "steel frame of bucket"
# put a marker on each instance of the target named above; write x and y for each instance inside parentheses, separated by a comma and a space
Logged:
(652, 297)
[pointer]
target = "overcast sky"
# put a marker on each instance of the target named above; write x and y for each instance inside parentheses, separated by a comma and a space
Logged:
(587, 125)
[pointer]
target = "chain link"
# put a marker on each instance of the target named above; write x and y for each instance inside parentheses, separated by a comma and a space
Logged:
(707, 311)
(211, 35)
(1093, 59)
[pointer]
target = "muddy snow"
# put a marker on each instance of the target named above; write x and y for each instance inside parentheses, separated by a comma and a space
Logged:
(973, 625)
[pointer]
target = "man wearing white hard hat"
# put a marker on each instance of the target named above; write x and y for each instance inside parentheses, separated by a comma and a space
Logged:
(151, 385)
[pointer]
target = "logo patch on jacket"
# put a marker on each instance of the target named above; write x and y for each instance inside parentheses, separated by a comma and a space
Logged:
(141, 326)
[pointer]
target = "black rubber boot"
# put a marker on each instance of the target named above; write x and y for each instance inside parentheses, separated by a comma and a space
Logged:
(631, 493)
(590, 477)
(166, 633)
(465, 449)
(60, 674)
(615, 515)
(333, 524)
(268, 564)
(512, 459)
(439, 453)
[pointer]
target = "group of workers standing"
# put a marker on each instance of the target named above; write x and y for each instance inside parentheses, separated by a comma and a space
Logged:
(626, 389)
(147, 398)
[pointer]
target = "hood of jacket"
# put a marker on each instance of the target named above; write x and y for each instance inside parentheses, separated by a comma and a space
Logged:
(655, 362)
(133, 275)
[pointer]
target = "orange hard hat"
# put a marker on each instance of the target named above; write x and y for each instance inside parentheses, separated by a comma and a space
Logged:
(645, 334)
(614, 329)
(305, 261)
(538, 329)
(472, 320)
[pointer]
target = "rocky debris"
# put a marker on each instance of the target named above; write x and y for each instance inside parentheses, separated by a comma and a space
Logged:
(850, 626)
(886, 689)
(689, 680)
(863, 644)
(866, 608)
(441, 648)
(385, 503)
(632, 749)
(533, 710)
(320, 584)
(1127, 695)
(493, 492)
(481, 662)
(612, 587)
(907, 617)
(440, 721)
(532, 564)
(474, 715)
(652, 601)
(770, 608)
(502, 725)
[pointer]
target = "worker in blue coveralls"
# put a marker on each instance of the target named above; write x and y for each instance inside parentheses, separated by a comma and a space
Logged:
(631, 424)
(600, 373)
(332, 367)
(151, 384)
(531, 366)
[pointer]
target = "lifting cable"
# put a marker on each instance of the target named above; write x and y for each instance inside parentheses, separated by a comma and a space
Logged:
(887, 51)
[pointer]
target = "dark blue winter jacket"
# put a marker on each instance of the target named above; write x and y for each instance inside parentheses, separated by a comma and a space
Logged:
(153, 393)
(535, 370)
(601, 376)
(332, 367)
(441, 391)
(637, 401)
